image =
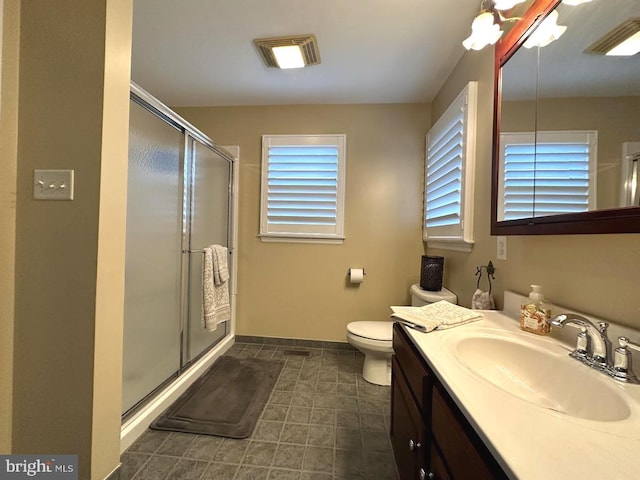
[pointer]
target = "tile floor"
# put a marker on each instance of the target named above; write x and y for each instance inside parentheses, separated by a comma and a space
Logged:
(322, 422)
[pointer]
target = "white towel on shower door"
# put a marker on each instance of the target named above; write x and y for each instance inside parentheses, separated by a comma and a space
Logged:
(215, 297)
(220, 269)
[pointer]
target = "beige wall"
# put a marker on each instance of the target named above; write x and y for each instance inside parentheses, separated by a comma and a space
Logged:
(112, 213)
(8, 168)
(385, 150)
(614, 118)
(74, 76)
(595, 274)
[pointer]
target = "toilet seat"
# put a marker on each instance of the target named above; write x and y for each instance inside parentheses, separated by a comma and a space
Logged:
(380, 331)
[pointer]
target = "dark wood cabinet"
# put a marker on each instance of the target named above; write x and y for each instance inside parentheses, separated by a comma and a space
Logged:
(430, 436)
(408, 432)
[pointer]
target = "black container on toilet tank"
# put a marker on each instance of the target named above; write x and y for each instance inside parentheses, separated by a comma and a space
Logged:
(431, 273)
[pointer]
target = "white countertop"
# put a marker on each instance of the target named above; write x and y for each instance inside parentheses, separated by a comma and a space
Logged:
(529, 441)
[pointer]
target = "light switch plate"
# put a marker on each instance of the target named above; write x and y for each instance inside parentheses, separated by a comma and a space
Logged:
(502, 248)
(53, 184)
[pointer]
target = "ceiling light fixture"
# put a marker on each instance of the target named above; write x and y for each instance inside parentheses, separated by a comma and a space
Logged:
(483, 32)
(627, 48)
(547, 32)
(506, 4)
(624, 40)
(289, 56)
(485, 29)
(289, 52)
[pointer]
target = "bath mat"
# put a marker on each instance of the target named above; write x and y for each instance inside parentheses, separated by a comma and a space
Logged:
(226, 401)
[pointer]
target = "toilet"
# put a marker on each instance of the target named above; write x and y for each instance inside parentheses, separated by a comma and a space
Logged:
(375, 339)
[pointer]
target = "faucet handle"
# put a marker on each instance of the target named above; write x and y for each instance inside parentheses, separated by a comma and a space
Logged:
(622, 367)
(625, 342)
(583, 344)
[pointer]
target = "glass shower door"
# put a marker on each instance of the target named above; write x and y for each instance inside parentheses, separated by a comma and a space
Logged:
(210, 174)
(151, 350)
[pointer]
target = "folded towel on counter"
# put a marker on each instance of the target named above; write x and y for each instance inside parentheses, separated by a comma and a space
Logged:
(411, 317)
(440, 315)
(215, 297)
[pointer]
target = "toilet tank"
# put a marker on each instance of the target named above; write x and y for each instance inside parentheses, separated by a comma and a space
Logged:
(421, 297)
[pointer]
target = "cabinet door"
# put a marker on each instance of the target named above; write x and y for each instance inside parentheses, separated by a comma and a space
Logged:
(437, 470)
(415, 372)
(462, 450)
(407, 428)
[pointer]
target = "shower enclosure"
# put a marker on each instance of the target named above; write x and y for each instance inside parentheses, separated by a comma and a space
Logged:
(178, 201)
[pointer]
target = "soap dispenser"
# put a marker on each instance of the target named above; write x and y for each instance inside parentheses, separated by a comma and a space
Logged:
(535, 314)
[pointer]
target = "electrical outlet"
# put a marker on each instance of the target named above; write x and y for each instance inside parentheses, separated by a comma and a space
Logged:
(502, 248)
(53, 184)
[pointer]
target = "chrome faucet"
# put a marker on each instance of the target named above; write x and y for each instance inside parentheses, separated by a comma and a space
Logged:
(600, 354)
(593, 347)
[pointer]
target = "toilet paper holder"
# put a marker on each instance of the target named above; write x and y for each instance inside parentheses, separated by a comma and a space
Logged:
(355, 276)
(349, 271)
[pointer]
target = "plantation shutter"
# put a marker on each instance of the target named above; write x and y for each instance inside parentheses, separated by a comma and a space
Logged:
(444, 171)
(551, 176)
(450, 173)
(303, 186)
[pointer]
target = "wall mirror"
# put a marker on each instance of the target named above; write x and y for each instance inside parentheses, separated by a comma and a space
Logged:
(566, 145)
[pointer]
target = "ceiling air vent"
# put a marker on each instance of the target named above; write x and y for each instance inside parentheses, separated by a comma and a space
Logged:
(615, 37)
(308, 46)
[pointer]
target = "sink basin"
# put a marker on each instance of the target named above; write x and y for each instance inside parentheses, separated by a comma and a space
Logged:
(541, 372)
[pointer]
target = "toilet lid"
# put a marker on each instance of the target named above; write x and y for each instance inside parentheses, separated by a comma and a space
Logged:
(372, 330)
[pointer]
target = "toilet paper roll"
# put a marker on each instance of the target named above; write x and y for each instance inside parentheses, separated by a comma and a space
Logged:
(356, 275)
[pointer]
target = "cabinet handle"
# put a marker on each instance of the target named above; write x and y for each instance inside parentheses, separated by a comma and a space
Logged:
(423, 475)
(413, 445)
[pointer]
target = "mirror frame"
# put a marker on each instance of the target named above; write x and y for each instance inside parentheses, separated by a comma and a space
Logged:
(621, 220)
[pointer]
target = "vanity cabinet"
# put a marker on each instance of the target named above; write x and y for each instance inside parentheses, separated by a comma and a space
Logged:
(430, 436)
(408, 431)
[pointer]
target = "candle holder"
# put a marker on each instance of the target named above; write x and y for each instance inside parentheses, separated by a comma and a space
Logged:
(431, 273)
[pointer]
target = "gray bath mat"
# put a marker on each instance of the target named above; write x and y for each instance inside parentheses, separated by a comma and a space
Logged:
(226, 401)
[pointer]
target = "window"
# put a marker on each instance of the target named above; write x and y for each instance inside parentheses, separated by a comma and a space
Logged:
(450, 174)
(547, 173)
(302, 197)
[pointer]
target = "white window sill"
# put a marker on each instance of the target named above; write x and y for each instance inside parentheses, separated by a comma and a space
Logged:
(335, 240)
(455, 244)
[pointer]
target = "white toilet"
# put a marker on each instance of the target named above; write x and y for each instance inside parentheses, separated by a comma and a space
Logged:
(375, 339)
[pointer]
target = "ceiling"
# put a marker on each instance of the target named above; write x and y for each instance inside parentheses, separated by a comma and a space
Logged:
(563, 69)
(201, 52)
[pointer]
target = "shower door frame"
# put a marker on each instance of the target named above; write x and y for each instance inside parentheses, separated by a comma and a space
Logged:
(138, 417)
(186, 358)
